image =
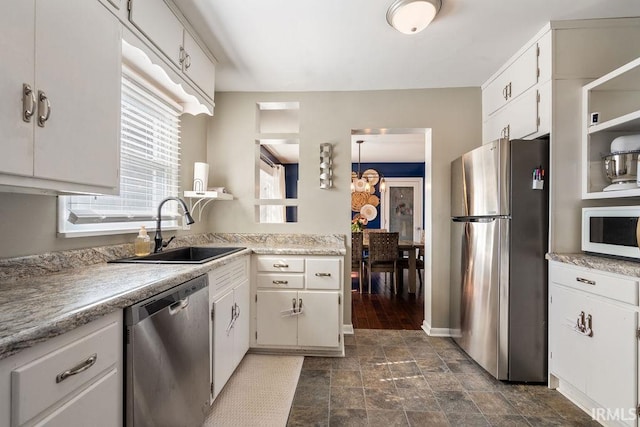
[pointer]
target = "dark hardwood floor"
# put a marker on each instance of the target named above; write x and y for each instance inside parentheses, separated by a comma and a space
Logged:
(382, 309)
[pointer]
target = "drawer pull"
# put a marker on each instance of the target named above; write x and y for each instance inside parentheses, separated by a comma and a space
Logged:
(281, 265)
(82, 366)
(280, 282)
(323, 274)
(585, 281)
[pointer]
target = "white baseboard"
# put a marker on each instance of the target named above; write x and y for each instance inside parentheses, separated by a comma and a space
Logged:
(347, 329)
(435, 332)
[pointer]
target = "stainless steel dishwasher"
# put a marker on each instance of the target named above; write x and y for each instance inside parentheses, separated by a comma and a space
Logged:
(167, 357)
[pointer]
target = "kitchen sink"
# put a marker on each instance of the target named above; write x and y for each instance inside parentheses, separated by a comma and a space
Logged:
(186, 255)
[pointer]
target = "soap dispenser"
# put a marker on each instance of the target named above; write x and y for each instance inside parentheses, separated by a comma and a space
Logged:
(142, 245)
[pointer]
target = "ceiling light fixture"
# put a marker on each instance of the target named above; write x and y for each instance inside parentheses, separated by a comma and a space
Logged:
(412, 16)
(365, 181)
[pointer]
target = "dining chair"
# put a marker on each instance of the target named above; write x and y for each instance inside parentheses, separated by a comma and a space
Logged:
(383, 256)
(356, 256)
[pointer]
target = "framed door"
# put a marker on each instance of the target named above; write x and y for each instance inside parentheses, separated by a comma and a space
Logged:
(401, 209)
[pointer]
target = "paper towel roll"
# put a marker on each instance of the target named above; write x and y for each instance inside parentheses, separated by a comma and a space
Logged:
(200, 177)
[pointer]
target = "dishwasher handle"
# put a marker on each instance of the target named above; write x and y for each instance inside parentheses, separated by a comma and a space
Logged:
(175, 299)
(178, 306)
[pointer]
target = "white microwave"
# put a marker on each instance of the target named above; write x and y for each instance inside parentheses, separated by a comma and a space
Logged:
(612, 231)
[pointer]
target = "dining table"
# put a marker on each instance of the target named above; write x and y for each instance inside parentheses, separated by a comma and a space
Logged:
(410, 247)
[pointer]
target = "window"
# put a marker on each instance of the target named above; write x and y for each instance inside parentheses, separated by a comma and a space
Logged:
(272, 186)
(149, 169)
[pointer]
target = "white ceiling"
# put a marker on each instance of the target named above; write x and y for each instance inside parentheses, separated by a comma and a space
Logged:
(383, 147)
(338, 45)
(347, 45)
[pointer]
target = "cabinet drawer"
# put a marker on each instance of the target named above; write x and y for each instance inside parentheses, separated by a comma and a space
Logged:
(285, 281)
(323, 274)
(34, 386)
(283, 264)
(595, 282)
(95, 406)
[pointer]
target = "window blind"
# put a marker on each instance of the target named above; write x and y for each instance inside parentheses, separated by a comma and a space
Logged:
(149, 167)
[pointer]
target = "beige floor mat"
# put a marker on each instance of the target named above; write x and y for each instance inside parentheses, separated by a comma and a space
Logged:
(259, 393)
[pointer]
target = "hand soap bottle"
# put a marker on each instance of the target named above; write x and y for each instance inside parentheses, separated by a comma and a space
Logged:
(142, 245)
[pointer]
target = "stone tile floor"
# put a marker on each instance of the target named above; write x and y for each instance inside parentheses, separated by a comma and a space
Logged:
(406, 378)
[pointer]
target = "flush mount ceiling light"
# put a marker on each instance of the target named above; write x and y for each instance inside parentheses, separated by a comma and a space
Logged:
(412, 16)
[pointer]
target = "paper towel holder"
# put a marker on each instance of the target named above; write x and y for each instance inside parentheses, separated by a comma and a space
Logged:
(200, 177)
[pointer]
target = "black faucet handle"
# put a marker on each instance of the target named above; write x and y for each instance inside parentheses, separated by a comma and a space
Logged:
(165, 244)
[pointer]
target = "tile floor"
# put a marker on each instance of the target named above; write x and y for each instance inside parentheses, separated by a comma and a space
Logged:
(406, 378)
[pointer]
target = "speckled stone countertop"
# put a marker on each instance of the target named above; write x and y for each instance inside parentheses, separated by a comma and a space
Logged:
(611, 265)
(43, 296)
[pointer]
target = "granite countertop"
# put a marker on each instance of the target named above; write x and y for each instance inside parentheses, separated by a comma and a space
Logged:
(610, 265)
(43, 296)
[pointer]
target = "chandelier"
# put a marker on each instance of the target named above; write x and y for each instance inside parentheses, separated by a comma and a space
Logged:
(367, 180)
(363, 186)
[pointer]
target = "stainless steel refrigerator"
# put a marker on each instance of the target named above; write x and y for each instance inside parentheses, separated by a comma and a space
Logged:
(499, 232)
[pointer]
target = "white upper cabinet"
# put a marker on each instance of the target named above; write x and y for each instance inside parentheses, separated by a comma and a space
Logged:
(17, 25)
(79, 71)
(68, 91)
(156, 21)
(515, 80)
(516, 98)
(161, 26)
(198, 66)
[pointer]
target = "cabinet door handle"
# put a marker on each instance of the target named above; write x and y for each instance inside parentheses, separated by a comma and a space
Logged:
(589, 329)
(80, 367)
(585, 281)
(277, 265)
(504, 93)
(300, 305)
(580, 322)
(509, 90)
(232, 322)
(638, 233)
(43, 105)
(28, 103)
(182, 55)
(323, 274)
(187, 61)
(280, 282)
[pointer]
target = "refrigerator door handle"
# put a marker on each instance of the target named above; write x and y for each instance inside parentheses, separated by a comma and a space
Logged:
(477, 220)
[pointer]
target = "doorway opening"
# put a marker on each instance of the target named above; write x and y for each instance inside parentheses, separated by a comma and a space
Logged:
(401, 157)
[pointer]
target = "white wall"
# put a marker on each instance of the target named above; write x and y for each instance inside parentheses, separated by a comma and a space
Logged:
(453, 114)
(28, 222)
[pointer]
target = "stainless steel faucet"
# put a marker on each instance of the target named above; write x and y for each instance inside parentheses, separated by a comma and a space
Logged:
(159, 244)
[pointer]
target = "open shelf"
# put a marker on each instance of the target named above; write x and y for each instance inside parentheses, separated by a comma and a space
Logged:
(199, 199)
(616, 98)
(627, 123)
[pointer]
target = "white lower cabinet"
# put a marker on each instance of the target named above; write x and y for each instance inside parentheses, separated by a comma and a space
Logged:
(305, 319)
(230, 309)
(298, 303)
(593, 342)
(72, 379)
